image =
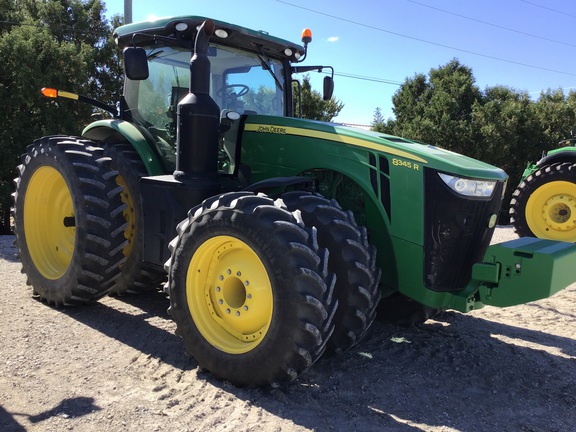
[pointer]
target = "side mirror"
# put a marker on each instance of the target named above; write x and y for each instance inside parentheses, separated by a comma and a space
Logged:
(135, 63)
(328, 88)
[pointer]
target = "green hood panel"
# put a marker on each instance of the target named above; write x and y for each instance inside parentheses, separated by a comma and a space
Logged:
(405, 149)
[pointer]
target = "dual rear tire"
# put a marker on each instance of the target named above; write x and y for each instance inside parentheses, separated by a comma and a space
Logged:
(253, 290)
(250, 291)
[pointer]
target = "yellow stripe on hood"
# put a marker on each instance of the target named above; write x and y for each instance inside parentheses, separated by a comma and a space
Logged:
(287, 130)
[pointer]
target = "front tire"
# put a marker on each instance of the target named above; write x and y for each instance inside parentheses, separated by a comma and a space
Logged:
(249, 290)
(544, 204)
(68, 220)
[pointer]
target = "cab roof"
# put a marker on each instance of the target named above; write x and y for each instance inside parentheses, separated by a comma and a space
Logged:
(182, 30)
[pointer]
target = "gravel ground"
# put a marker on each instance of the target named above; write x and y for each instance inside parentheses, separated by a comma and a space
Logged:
(116, 365)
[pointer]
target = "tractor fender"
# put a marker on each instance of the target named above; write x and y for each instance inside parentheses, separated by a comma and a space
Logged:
(121, 130)
(567, 154)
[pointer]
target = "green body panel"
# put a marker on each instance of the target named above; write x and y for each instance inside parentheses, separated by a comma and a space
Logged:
(106, 130)
(275, 147)
(410, 258)
(528, 269)
(570, 152)
(570, 149)
(530, 168)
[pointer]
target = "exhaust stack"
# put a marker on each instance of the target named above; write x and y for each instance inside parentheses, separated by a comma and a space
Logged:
(198, 118)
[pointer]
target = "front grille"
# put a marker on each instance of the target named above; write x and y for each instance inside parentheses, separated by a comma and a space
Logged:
(456, 233)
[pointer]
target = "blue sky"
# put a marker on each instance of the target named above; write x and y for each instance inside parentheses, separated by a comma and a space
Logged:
(524, 44)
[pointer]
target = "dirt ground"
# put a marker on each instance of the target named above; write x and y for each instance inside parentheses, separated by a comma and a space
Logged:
(116, 365)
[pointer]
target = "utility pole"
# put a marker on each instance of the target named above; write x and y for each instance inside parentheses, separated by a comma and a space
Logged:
(127, 11)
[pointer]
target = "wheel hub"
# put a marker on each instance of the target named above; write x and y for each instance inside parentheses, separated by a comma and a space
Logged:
(551, 211)
(229, 294)
(235, 304)
(557, 212)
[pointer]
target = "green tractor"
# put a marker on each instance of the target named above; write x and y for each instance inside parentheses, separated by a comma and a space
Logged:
(544, 203)
(280, 237)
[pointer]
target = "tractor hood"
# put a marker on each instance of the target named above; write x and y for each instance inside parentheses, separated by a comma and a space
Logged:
(402, 148)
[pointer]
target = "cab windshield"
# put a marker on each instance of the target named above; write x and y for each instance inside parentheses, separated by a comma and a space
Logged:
(240, 81)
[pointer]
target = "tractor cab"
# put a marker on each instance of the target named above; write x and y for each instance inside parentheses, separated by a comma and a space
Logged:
(239, 84)
(249, 73)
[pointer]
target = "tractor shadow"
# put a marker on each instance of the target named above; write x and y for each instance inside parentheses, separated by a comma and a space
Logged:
(459, 372)
(8, 250)
(67, 408)
(139, 321)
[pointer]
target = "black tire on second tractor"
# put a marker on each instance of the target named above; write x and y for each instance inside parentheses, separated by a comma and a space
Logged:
(544, 204)
(351, 258)
(249, 290)
(136, 277)
(68, 220)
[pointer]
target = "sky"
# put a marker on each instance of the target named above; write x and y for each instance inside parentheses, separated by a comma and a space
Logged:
(374, 45)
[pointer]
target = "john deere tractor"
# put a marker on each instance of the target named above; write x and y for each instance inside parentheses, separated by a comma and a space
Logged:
(279, 236)
(544, 203)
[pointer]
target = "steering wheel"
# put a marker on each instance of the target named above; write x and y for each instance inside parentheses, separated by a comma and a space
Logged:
(243, 90)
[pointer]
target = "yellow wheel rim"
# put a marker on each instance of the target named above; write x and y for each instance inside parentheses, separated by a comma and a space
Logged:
(129, 214)
(551, 211)
(49, 222)
(229, 294)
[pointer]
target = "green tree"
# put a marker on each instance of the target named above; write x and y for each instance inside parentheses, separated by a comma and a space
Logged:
(314, 107)
(509, 133)
(508, 128)
(378, 123)
(438, 110)
(556, 113)
(64, 44)
(261, 101)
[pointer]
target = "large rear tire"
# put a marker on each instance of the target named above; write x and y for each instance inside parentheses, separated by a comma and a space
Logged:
(544, 204)
(136, 277)
(249, 290)
(68, 220)
(351, 258)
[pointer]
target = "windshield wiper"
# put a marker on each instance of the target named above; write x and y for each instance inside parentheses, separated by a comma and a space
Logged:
(266, 66)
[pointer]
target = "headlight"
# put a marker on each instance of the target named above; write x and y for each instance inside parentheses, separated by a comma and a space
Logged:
(469, 187)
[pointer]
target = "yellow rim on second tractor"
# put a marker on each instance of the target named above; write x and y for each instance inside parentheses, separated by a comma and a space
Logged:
(551, 211)
(229, 294)
(49, 222)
